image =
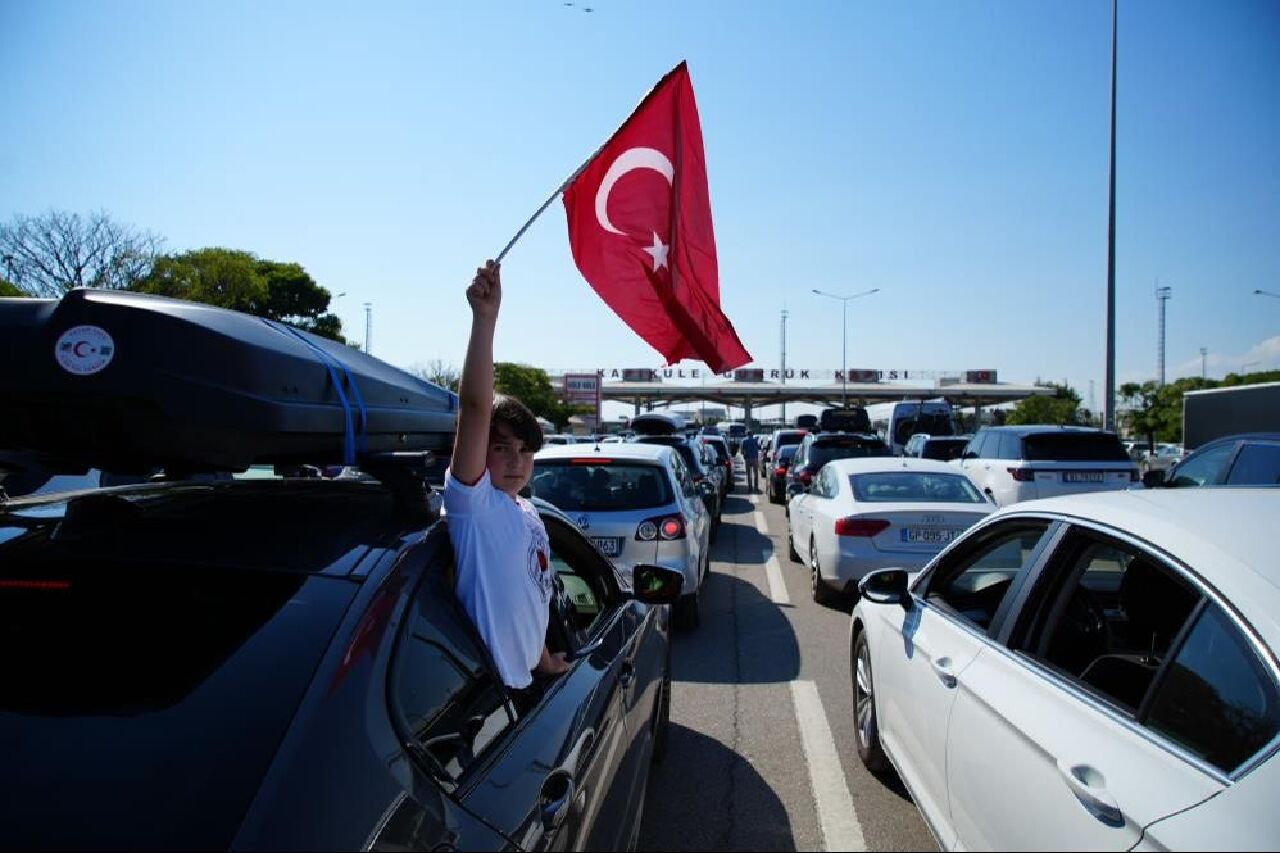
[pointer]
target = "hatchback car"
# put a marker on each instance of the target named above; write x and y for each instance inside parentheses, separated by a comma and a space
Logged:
(1019, 463)
(777, 483)
(723, 457)
(1093, 672)
(638, 503)
(706, 475)
(865, 514)
(779, 439)
(1252, 459)
(941, 447)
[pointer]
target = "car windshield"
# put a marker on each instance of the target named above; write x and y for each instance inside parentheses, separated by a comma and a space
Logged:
(1074, 447)
(914, 487)
(601, 486)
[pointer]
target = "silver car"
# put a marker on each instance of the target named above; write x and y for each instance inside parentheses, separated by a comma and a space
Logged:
(638, 504)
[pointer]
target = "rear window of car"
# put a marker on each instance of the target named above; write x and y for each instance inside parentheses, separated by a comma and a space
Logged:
(1074, 447)
(914, 487)
(600, 486)
(153, 693)
(722, 451)
(943, 449)
(786, 453)
(784, 439)
(844, 447)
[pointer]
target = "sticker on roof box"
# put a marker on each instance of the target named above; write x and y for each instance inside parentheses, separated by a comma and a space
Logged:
(84, 350)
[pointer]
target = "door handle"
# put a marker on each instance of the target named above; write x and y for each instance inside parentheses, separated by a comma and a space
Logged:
(555, 798)
(942, 668)
(1090, 788)
(627, 674)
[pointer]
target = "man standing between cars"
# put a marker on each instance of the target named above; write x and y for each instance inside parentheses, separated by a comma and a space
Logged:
(500, 546)
(751, 457)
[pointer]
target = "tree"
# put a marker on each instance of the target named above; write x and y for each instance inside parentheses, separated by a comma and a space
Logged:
(438, 373)
(239, 280)
(9, 290)
(49, 254)
(533, 387)
(1061, 408)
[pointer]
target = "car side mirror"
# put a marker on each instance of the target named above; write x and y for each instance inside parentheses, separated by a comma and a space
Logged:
(706, 488)
(886, 586)
(656, 584)
(1154, 478)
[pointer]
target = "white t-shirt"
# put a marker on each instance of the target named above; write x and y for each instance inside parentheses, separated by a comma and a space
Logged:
(504, 575)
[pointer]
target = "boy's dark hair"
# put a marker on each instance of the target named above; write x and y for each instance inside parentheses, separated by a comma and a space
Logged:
(524, 425)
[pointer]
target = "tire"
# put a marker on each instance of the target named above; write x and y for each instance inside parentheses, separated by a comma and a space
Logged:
(774, 497)
(688, 611)
(822, 594)
(866, 727)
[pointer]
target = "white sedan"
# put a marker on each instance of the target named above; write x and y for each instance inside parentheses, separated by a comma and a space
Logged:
(1093, 672)
(863, 514)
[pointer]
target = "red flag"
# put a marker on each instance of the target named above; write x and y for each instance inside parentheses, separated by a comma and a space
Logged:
(640, 227)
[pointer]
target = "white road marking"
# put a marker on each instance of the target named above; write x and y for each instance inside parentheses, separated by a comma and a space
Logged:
(840, 827)
(777, 586)
(760, 524)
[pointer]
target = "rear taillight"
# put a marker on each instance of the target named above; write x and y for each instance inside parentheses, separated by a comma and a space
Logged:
(805, 476)
(1023, 475)
(780, 471)
(16, 583)
(664, 527)
(853, 526)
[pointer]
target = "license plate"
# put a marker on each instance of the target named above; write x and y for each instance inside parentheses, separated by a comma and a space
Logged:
(1082, 476)
(608, 545)
(928, 535)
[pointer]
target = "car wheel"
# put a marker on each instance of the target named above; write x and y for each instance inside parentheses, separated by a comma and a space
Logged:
(865, 723)
(791, 546)
(822, 593)
(774, 497)
(688, 611)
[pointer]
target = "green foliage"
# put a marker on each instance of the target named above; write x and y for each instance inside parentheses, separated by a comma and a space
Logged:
(533, 387)
(8, 289)
(235, 279)
(1061, 408)
(1156, 413)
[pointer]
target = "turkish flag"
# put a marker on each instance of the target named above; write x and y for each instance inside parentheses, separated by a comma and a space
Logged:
(640, 228)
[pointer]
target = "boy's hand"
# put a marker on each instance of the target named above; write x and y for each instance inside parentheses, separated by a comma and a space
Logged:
(552, 664)
(485, 291)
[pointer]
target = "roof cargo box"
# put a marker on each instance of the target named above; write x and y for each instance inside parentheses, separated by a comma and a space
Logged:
(657, 423)
(126, 381)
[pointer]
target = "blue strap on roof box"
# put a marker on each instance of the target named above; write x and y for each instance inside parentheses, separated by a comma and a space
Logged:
(127, 381)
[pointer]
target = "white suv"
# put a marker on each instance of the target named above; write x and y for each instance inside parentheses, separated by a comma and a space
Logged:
(1019, 463)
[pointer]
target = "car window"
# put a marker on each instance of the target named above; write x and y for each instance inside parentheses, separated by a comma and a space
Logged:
(1010, 446)
(1257, 464)
(1073, 447)
(973, 582)
(449, 704)
(977, 444)
(914, 487)
(1107, 615)
(1205, 467)
(1218, 699)
(589, 582)
(607, 486)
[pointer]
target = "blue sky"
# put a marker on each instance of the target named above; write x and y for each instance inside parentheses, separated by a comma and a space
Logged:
(952, 154)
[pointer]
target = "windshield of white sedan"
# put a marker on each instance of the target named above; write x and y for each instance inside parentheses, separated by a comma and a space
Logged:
(914, 487)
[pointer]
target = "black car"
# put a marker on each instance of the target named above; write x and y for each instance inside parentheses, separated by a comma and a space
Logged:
(1250, 459)
(817, 449)
(215, 660)
(708, 487)
(778, 472)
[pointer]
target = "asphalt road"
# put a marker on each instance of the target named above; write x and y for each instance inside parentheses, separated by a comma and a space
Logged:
(760, 754)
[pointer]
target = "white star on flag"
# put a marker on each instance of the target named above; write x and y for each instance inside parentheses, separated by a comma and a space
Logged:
(659, 252)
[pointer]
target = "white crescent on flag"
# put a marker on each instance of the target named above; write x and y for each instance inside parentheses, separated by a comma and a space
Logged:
(629, 160)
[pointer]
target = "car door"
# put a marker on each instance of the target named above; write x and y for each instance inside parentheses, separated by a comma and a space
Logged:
(692, 506)
(820, 518)
(922, 667)
(972, 463)
(543, 779)
(798, 519)
(1045, 745)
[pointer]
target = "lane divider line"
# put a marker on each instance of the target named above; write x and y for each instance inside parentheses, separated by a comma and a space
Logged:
(777, 586)
(760, 524)
(841, 829)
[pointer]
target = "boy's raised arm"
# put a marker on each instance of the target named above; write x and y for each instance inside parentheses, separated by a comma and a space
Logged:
(475, 389)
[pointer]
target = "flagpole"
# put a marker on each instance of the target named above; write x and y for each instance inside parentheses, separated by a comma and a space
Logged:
(585, 163)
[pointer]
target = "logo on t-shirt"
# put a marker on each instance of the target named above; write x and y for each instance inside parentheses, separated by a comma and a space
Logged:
(537, 555)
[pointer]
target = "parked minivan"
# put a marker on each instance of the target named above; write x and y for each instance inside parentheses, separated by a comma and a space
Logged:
(1019, 463)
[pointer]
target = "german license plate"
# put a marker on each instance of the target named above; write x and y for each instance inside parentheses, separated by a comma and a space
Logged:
(608, 545)
(928, 535)
(1082, 476)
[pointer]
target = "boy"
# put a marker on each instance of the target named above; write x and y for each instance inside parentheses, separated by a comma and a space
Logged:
(499, 543)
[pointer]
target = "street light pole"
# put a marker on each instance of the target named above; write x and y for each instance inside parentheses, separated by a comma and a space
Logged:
(844, 339)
